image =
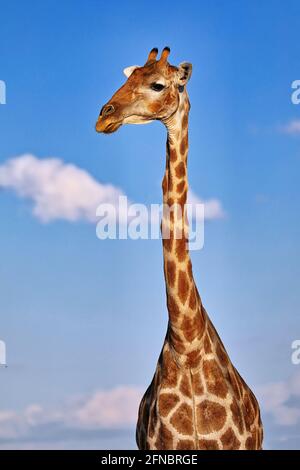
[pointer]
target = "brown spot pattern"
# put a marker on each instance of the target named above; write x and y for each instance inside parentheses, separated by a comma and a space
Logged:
(167, 401)
(181, 249)
(173, 308)
(208, 444)
(185, 386)
(249, 444)
(193, 300)
(249, 414)
(164, 439)
(214, 379)
(185, 121)
(237, 415)
(233, 382)
(210, 417)
(230, 441)
(197, 384)
(185, 444)
(207, 345)
(180, 186)
(184, 145)
(182, 419)
(171, 272)
(222, 356)
(170, 201)
(189, 327)
(170, 371)
(190, 270)
(180, 170)
(173, 154)
(176, 341)
(154, 107)
(168, 242)
(183, 286)
(152, 421)
(193, 359)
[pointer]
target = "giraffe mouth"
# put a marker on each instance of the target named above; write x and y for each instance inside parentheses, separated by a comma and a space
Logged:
(108, 128)
(112, 127)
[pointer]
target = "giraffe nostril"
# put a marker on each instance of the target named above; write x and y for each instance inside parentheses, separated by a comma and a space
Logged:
(107, 109)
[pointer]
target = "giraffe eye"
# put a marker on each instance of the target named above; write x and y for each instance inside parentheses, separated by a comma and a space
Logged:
(157, 86)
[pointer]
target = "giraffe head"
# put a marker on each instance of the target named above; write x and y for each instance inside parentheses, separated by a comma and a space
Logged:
(151, 92)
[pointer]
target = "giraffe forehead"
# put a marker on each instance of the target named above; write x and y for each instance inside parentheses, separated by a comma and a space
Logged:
(152, 72)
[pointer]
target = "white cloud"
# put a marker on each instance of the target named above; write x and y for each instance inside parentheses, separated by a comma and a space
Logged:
(58, 190)
(112, 408)
(9, 422)
(105, 409)
(117, 408)
(212, 207)
(64, 191)
(282, 400)
(292, 128)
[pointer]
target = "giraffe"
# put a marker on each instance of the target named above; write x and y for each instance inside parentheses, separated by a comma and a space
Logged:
(197, 399)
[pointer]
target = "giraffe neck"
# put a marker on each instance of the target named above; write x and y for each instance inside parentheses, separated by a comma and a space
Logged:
(186, 316)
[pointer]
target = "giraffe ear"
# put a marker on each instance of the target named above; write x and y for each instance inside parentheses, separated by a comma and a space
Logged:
(184, 72)
(128, 71)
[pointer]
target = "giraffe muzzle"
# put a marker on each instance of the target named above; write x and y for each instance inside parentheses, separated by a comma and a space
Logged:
(107, 121)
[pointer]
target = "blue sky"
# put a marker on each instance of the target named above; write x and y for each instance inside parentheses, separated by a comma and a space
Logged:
(84, 319)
